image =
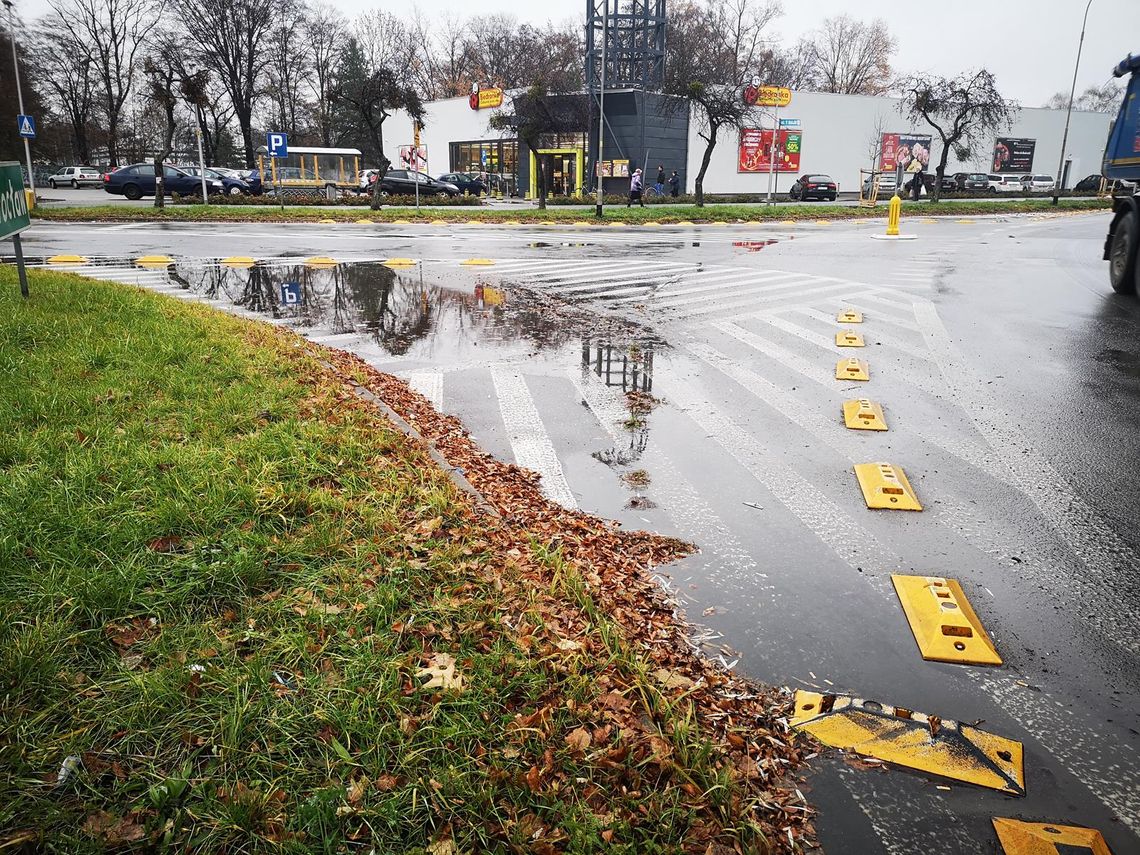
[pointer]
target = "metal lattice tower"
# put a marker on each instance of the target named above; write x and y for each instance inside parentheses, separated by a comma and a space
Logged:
(634, 42)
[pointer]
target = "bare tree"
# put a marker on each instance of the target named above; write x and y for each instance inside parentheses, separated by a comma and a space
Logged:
(290, 57)
(875, 141)
(109, 33)
(372, 97)
(848, 57)
(161, 71)
(451, 58)
(232, 38)
(715, 48)
(324, 27)
(961, 110)
(67, 74)
(1098, 99)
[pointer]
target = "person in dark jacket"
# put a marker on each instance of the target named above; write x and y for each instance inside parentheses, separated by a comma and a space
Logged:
(674, 184)
(660, 185)
(635, 187)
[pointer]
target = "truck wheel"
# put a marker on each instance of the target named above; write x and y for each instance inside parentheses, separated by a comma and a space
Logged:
(1122, 255)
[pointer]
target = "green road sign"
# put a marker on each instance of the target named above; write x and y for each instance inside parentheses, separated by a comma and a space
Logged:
(13, 202)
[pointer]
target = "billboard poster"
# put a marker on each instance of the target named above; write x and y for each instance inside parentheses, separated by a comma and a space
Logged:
(1013, 154)
(909, 151)
(755, 152)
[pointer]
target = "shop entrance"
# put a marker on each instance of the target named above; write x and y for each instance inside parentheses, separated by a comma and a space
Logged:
(563, 167)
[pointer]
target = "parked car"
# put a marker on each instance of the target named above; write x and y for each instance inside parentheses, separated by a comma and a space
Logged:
(815, 186)
(971, 181)
(76, 176)
(1004, 183)
(137, 180)
(402, 182)
(888, 182)
(1037, 183)
(1091, 184)
(231, 186)
(467, 182)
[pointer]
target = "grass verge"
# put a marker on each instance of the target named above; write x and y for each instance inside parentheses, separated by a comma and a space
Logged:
(242, 613)
(663, 214)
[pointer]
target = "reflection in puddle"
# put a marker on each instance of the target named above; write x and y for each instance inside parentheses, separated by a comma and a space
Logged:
(629, 368)
(753, 245)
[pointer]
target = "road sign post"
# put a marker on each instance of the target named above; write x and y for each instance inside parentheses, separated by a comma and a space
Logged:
(23, 116)
(278, 147)
(14, 214)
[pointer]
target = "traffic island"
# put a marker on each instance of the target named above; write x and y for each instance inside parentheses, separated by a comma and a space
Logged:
(246, 611)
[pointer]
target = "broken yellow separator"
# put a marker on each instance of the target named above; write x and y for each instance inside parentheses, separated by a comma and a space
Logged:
(864, 414)
(1044, 838)
(912, 739)
(850, 317)
(846, 338)
(399, 262)
(943, 622)
(476, 262)
(320, 261)
(886, 486)
(154, 261)
(852, 369)
(239, 261)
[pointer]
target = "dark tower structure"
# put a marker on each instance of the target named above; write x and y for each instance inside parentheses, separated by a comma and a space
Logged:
(631, 38)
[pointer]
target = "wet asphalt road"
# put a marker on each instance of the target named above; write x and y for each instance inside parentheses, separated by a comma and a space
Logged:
(1010, 377)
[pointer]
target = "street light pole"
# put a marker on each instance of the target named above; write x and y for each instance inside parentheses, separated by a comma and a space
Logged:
(602, 108)
(20, 94)
(1069, 114)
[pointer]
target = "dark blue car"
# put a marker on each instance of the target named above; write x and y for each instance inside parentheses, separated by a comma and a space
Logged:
(137, 180)
(233, 183)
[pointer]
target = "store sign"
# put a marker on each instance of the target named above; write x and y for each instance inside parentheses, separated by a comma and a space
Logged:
(1013, 154)
(910, 152)
(756, 95)
(755, 150)
(483, 99)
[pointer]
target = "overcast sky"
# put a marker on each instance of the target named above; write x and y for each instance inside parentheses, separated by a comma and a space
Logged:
(1029, 44)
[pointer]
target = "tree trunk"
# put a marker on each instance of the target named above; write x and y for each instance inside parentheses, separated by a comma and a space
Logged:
(159, 190)
(939, 172)
(81, 146)
(246, 122)
(699, 184)
(113, 138)
(381, 171)
(540, 181)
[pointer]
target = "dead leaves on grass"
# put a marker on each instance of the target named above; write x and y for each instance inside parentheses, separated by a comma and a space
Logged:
(441, 673)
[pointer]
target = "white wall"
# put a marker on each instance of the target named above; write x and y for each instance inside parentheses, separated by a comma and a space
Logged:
(837, 132)
(447, 121)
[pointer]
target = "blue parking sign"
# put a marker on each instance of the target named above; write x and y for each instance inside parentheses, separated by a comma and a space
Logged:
(26, 125)
(278, 145)
(291, 293)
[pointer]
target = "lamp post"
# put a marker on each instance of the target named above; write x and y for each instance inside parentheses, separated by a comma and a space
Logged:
(20, 94)
(602, 109)
(1069, 114)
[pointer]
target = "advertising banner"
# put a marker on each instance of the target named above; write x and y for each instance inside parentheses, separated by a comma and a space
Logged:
(1013, 154)
(755, 152)
(910, 151)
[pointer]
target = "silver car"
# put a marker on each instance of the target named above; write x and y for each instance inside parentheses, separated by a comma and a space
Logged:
(76, 176)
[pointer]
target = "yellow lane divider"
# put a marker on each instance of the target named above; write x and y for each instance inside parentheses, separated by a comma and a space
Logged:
(320, 261)
(846, 338)
(327, 222)
(852, 369)
(1045, 838)
(473, 262)
(364, 222)
(863, 414)
(239, 261)
(68, 259)
(943, 622)
(912, 739)
(886, 487)
(154, 260)
(399, 262)
(850, 317)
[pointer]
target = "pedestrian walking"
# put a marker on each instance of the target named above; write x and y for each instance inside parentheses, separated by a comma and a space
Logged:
(674, 184)
(660, 185)
(635, 187)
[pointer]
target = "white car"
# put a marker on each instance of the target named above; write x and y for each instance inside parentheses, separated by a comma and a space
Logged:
(76, 176)
(1005, 184)
(1036, 183)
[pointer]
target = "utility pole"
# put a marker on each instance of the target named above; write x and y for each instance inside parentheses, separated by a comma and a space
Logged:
(601, 107)
(20, 94)
(1069, 114)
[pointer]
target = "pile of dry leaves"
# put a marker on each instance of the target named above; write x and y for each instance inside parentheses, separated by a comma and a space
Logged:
(746, 722)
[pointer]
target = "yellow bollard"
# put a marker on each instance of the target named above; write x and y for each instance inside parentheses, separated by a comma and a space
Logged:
(893, 216)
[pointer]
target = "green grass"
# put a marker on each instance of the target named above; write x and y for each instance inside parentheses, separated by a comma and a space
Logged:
(659, 213)
(220, 575)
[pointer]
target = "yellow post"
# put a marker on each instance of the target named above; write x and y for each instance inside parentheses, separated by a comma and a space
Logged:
(893, 216)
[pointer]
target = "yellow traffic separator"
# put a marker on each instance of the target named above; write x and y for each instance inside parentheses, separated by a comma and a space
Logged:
(912, 739)
(581, 223)
(930, 221)
(238, 261)
(943, 622)
(439, 222)
(67, 259)
(850, 317)
(154, 261)
(864, 414)
(399, 262)
(790, 222)
(846, 338)
(401, 222)
(364, 222)
(852, 369)
(684, 223)
(473, 262)
(511, 223)
(966, 222)
(1045, 838)
(320, 261)
(617, 223)
(327, 222)
(651, 223)
(885, 487)
(823, 222)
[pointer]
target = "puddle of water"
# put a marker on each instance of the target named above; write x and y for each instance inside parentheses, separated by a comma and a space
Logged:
(754, 245)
